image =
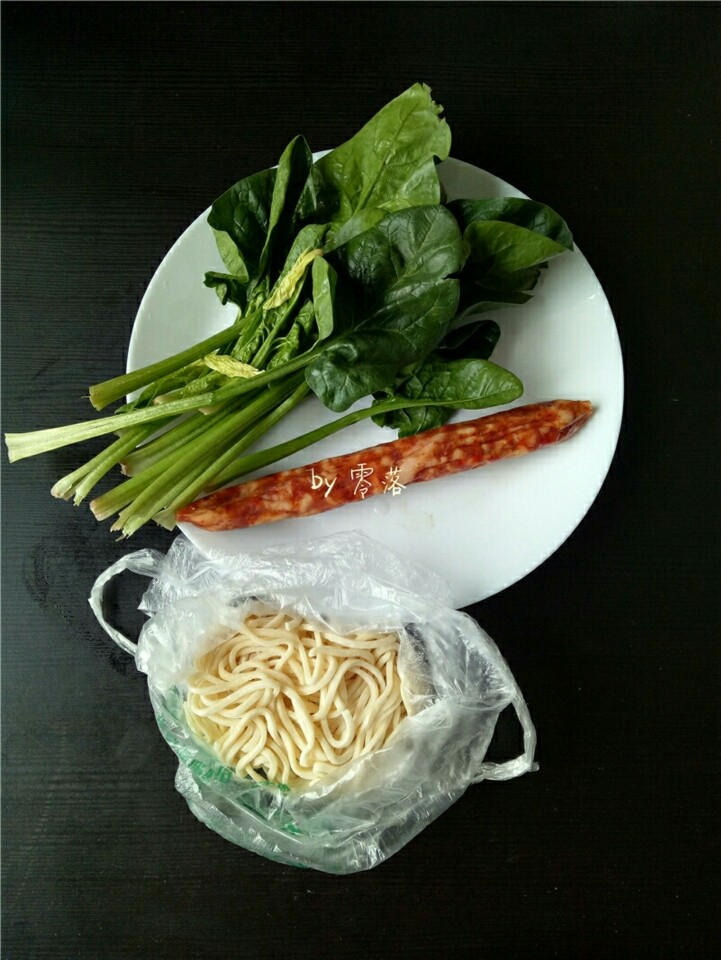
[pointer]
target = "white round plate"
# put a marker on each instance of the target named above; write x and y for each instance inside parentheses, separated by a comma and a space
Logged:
(482, 530)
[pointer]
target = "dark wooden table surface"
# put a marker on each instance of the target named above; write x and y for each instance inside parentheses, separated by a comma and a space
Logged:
(120, 124)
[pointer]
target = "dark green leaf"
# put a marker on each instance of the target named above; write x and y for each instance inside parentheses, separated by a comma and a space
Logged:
(324, 284)
(517, 281)
(315, 204)
(475, 301)
(239, 219)
(291, 178)
(449, 385)
(253, 220)
(399, 271)
(473, 340)
(230, 289)
(412, 420)
(390, 163)
(368, 359)
(360, 222)
(503, 248)
(304, 249)
(463, 384)
(529, 214)
(298, 338)
(407, 250)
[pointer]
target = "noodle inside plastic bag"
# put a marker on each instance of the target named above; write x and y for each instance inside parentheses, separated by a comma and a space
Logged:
(286, 700)
(324, 699)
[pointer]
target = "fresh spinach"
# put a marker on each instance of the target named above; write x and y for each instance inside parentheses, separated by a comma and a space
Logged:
(389, 164)
(324, 280)
(400, 271)
(508, 240)
(457, 367)
(292, 174)
(229, 288)
(350, 272)
(503, 250)
(529, 214)
(253, 220)
(468, 383)
(239, 220)
(476, 340)
(474, 300)
(307, 246)
(296, 340)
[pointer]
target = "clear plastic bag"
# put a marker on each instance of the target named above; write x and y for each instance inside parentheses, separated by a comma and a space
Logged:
(373, 806)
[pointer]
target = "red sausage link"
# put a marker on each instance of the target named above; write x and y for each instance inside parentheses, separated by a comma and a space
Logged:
(389, 467)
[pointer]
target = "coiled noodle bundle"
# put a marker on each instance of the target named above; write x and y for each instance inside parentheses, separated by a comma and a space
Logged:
(288, 701)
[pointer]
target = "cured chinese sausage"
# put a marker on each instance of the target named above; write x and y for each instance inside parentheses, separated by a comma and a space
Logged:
(389, 467)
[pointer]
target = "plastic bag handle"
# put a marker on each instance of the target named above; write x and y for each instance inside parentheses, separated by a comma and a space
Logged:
(146, 563)
(521, 764)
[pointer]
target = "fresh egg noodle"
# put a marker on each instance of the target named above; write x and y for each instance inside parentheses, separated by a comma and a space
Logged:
(285, 700)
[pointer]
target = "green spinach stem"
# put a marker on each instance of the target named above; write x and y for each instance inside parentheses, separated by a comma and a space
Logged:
(102, 394)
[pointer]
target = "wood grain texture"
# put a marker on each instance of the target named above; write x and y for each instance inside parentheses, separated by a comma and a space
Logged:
(120, 123)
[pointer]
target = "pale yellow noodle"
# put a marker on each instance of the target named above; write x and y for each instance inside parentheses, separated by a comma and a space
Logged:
(285, 700)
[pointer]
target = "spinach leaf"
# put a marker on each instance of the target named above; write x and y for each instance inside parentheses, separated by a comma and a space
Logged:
(315, 204)
(230, 289)
(490, 294)
(390, 163)
(239, 219)
(445, 386)
(474, 301)
(359, 222)
(291, 177)
(468, 384)
(314, 321)
(503, 249)
(324, 285)
(405, 252)
(475, 340)
(253, 219)
(364, 361)
(509, 240)
(274, 324)
(279, 307)
(533, 216)
(398, 271)
(411, 420)
(514, 281)
(296, 340)
(306, 247)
